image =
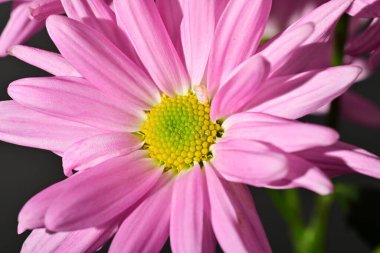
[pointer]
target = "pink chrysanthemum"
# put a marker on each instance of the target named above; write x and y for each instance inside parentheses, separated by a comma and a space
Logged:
(166, 117)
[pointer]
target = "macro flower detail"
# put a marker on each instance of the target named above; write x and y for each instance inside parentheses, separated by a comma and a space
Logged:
(159, 135)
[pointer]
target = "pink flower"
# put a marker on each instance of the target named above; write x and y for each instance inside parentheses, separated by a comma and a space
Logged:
(360, 44)
(166, 117)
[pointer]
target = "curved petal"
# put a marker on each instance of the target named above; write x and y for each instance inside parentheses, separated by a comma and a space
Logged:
(92, 151)
(342, 158)
(365, 8)
(353, 107)
(95, 196)
(288, 135)
(146, 229)
(197, 33)
(74, 99)
(231, 46)
(41, 9)
(248, 162)
(22, 126)
(87, 240)
(142, 22)
(303, 174)
(101, 62)
(19, 27)
(234, 217)
(52, 63)
(190, 228)
(299, 95)
(366, 41)
(236, 94)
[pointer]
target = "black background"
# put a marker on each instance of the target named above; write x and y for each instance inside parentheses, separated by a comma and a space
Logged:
(26, 171)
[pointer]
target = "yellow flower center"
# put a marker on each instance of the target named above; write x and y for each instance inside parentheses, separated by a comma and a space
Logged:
(179, 132)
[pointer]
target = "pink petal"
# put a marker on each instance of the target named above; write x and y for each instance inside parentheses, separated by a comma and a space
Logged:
(303, 174)
(234, 217)
(190, 228)
(287, 135)
(142, 22)
(278, 49)
(171, 14)
(51, 62)
(343, 158)
(232, 46)
(365, 8)
(360, 110)
(101, 62)
(41, 9)
(248, 162)
(95, 150)
(366, 41)
(95, 196)
(236, 94)
(74, 99)
(22, 126)
(19, 28)
(197, 33)
(87, 240)
(302, 94)
(146, 229)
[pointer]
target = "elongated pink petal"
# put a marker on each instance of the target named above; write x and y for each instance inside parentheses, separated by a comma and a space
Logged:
(19, 28)
(342, 158)
(288, 135)
(304, 93)
(142, 22)
(171, 14)
(366, 41)
(111, 187)
(41, 9)
(146, 229)
(236, 94)
(353, 107)
(234, 217)
(197, 33)
(365, 8)
(231, 46)
(51, 62)
(22, 126)
(87, 240)
(277, 50)
(303, 174)
(74, 99)
(101, 62)
(190, 228)
(95, 150)
(248, 162)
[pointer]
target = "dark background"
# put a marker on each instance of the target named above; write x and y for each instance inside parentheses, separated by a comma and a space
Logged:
(26, 171)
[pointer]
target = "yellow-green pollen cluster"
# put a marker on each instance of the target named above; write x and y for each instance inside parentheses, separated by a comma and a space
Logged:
(179, 132)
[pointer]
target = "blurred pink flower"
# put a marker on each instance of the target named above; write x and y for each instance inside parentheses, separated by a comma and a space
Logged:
(166, 111)
(359, 44)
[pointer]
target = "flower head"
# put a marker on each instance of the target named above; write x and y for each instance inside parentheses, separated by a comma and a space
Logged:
(166, 117)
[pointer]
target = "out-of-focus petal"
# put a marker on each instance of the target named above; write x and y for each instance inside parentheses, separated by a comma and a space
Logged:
(75, 99)
(190, 227)
(197, 33)
(234, 217)
(51, 62)
(90, 152)
(232, 46)
(142, 22)
(237, 93)
(146, 229)
(249, 162)
(101, 62)
(366, 41)
(288, 135)
(99, 194)
(41, 9)
(299, 95)
(365, 8)
(22, 126)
